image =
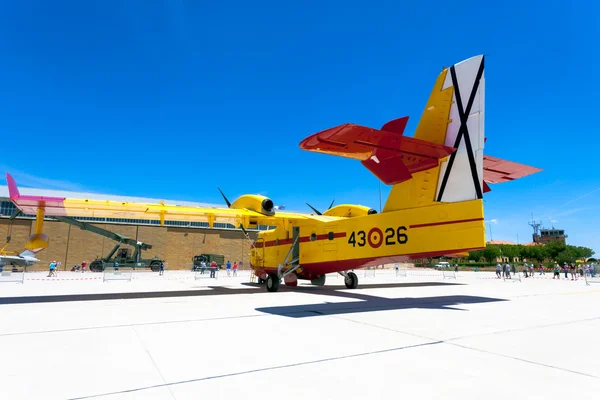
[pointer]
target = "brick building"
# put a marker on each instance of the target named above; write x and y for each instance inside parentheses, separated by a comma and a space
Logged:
(175, 243)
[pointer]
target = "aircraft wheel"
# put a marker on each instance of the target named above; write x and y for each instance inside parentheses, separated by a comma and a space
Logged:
(320, 281)
(272, 283)
(155, 266)
(351, 280)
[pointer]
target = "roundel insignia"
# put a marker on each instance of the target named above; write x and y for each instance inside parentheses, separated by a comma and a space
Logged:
(375, 237)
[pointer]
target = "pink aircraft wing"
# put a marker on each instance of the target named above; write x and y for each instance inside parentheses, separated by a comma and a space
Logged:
(497, 170)
(30, 204)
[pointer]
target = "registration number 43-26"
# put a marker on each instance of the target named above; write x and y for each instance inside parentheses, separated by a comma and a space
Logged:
(375, 237)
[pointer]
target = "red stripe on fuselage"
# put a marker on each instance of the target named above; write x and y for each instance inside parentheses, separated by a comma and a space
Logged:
(446, 223)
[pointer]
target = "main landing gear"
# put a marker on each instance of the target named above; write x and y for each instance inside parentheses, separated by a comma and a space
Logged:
(350, 279)
(273, 281)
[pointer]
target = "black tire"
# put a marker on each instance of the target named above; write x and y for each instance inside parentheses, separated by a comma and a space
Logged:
(320, 281)
(351, 280)
(97, 266)
(155, 266)
(272, 283)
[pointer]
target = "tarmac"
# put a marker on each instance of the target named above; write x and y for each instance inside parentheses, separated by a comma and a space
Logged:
(419, 336)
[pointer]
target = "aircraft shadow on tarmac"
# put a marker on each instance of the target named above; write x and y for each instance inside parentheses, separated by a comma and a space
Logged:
(250, 288)
(369, 302)
(373, 303)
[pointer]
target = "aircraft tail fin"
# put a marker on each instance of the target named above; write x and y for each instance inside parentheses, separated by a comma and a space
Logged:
(444, 159)
(458, 97)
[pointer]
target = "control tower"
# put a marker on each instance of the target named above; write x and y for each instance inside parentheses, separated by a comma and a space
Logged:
(543, 236)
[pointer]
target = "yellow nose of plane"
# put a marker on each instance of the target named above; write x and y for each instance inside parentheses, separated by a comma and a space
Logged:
(37, 242)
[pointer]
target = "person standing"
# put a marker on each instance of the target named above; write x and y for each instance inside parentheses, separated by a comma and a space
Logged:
(161, 269)
(507, 271)
(213, 269)
(228, 266)
(235, 267)
(52, 271)
(83, 264)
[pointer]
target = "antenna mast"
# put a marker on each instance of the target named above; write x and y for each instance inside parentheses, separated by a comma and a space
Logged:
(536, 228)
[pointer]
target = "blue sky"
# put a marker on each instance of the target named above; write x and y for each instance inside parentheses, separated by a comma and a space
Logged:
(168, 99)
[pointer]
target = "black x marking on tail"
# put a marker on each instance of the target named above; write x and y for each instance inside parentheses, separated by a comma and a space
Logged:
(463, 130)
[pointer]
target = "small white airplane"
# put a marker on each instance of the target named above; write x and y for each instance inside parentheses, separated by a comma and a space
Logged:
(26, 259)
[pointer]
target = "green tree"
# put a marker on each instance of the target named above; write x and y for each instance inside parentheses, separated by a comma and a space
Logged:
(490, 253)
(520, 251)
(582, 252)
(476, 255)
(566, 256)
(527, 253)
(537, 253)
(553, 249)
(510, 251)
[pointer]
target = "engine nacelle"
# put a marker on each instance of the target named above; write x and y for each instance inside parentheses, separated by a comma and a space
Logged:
(349, 210)
(255, 202)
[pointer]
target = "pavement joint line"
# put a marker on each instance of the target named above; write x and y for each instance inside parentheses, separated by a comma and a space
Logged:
(523, 360)
(153, 362)
(131, 325)
(450, 342)
(257, 370)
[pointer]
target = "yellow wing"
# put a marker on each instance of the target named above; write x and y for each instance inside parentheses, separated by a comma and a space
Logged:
(248, 211)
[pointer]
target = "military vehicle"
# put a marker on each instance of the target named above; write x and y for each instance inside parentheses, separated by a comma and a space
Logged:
(208, 259)
(125, 259)
(123, 254)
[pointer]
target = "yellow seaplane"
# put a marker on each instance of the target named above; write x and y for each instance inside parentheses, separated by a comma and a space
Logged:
(435, 206)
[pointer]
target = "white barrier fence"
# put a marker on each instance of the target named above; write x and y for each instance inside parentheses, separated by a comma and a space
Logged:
(206, 273)
(110, 274)
(448, 274)
(370, 271)
(589, 279)
(400, 272)
(12, 276)
(513, 277)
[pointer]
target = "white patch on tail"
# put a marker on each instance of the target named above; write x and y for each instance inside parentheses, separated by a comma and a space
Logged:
(461, 176)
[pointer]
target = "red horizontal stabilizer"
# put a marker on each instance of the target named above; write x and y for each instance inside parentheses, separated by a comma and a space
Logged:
(387, 166)
(496, 170)
(30, 204)
(390, 149)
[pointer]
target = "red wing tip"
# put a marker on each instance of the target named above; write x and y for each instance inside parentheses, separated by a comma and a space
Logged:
(13, 191)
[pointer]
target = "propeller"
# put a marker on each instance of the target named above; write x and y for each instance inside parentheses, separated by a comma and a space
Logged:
(319, 212)
(224, 197)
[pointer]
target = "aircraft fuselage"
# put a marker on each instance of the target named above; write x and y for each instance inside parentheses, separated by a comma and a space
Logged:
(349, 243)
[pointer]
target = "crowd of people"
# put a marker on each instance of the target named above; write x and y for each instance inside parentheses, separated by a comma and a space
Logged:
(505, 270)
(214, 267)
